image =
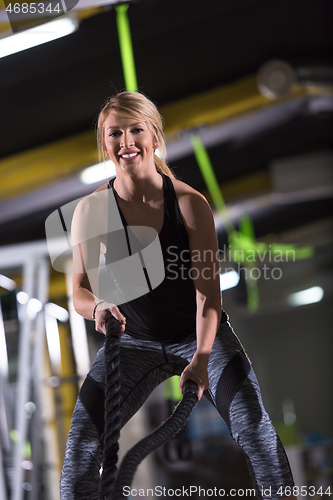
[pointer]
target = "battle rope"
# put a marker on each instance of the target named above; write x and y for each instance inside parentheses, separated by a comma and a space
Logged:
(160, 436)
(111, 408)
(110, 481)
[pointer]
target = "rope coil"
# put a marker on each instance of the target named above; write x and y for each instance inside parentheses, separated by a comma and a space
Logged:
(161, 435)
(111, 408)
(112, 484)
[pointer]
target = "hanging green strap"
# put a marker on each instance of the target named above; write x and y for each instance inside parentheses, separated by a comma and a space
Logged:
(234, 237)
(126, 49)
(208, 174)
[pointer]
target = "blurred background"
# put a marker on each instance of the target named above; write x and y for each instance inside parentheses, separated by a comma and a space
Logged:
(252, 81)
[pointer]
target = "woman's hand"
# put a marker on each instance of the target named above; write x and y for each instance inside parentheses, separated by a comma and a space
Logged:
(102, 315)
(196, 371)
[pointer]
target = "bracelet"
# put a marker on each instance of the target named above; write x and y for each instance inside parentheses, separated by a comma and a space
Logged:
(94, 311)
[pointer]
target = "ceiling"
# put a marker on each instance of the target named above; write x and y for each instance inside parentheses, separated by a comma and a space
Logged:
(194, 59)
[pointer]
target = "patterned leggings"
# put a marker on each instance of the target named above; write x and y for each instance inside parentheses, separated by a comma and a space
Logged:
(144, 364)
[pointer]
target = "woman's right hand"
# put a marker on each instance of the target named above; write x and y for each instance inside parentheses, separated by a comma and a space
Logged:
(102, 315)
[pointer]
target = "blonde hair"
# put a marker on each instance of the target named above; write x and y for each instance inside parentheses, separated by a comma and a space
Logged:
(138, 106)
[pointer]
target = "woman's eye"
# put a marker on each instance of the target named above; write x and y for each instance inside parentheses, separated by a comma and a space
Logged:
(113, 134)
(138, 130)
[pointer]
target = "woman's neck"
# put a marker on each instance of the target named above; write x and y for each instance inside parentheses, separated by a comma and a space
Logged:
(138, 189)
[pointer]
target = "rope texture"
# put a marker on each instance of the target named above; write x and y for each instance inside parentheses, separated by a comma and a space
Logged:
(111, 409)
(160, 436)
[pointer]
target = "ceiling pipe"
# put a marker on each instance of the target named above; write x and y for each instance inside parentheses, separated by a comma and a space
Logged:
(276, 77)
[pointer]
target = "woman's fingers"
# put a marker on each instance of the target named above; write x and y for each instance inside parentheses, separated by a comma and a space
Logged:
(201, 387)
(103, 315)
(196, 373)
(117, 314)
(101, 318)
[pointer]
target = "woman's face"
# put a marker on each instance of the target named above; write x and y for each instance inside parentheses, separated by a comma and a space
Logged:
(129, 143)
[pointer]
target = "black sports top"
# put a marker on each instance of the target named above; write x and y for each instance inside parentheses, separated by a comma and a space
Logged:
(168, 312)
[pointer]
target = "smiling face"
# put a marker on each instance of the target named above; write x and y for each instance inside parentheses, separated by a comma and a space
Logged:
(129, 144)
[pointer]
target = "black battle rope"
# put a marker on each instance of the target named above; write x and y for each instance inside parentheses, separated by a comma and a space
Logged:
(111, 408)
(161, 435)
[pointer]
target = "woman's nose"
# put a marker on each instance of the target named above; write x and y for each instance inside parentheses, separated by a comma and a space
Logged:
(126, 141)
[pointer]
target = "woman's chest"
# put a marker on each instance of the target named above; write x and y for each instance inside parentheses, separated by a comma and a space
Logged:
(151, 215)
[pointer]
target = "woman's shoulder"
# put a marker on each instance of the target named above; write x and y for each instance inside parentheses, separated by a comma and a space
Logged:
(192, 203)
(93, 201)
(188, 195)
(90, 215)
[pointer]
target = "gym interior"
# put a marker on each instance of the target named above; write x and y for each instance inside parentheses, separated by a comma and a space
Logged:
(245, 89)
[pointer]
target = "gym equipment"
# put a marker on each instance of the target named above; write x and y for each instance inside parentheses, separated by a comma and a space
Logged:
(112, 483)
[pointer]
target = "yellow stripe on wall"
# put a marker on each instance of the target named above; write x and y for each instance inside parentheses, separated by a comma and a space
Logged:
(32, 169)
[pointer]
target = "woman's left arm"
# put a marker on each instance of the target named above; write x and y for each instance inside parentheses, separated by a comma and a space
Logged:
(203, 245)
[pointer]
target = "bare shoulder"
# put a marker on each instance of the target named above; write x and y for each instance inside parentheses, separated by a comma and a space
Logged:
(93, 202)
(90, 215)
(186, 194)
(193, 206)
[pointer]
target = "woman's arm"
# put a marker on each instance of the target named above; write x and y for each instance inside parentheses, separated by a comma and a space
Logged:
(87, 227)
(203, 244)
(85, 301)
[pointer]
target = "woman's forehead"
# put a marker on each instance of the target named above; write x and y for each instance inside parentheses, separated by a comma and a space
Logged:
(116, 119)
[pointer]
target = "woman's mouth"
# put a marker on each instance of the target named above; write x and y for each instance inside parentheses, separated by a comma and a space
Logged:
(129, 156)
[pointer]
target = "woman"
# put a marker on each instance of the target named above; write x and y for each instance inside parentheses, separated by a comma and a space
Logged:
(176, 328)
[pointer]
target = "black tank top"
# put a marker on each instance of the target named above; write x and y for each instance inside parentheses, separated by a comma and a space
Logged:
(168, 312)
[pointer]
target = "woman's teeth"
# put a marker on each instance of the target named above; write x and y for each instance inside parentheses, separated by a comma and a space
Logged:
(131, 155)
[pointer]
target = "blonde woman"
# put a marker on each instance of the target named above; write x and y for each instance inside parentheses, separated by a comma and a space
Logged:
(178, 327)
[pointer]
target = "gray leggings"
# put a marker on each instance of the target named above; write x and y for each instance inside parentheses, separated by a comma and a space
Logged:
(144, 364)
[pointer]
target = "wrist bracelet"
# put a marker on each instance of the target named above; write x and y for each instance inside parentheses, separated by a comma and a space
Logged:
(94, 311)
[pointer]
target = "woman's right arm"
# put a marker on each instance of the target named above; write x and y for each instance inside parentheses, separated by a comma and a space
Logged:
(85, 304)
(87, 227)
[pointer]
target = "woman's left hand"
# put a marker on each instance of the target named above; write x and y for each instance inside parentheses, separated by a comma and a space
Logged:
(196, 371)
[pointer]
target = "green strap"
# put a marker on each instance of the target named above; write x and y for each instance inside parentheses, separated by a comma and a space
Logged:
(126, 49)
(208, 174)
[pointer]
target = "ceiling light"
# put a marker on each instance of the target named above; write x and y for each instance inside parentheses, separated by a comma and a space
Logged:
(308, 296)
(34, 306)
(3, 349)
(228, 280)
(22, 297)
(98, 172)
(56, 311)
(38, 35)
(53, 340)
(7, 283)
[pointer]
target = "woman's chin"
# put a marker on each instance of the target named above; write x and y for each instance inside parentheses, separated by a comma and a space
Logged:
(137, 169)
(130, 168)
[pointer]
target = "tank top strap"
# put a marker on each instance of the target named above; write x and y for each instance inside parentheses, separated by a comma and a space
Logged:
(110, 186)
(171, 207)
